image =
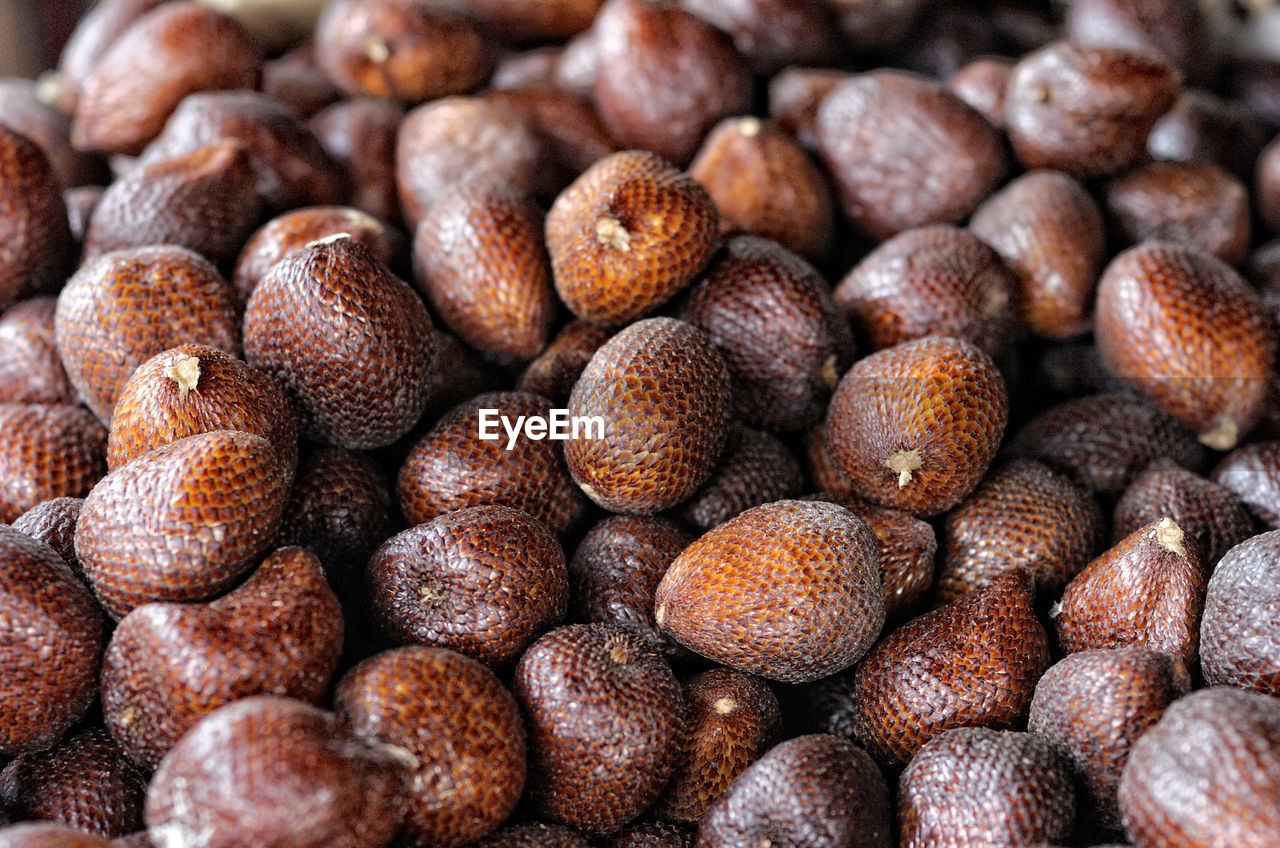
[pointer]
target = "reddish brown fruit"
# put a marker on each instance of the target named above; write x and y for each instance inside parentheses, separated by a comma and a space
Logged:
(616, 569)
(1086, 110)
(811, 557)
(479, 259)
(1188, 332)
(1212, 515)
(915, 426)
(936, 280)
(54, 523)
(1147, 591)
(731, 719)
(35, 237)
(815, 790)
(663, 77)
(1023, 515)
(194, 389)
(122, 308)
(1094, 705)
(451, 467)
(973, 662)
(974, 787)
(1202, 127)
(628, 234)
(295, 80)
(25, 111)
(663, 393)
(166, 54)
(552, 20)
(460, 726)
(48, 835)
(823, 473)
(97, 30)
(351, 343)
(241, 776)
(359, 134)
(561, 362)
(53, 646)
(982, 84)
(212, 506)
(570, 128)
(1252, 472)
(1049, 232)
(1104, 441)
(1239, 638)
(905, 152)
(652, 835)
(1207, 774)
(49, 451)
(30, 368)
(1181, 33)
(406, 50)
(756, 468)
(86, 782)
(289, 233)
(877, 24)
(80, 202)
(605, 721)
(794, 97)
(763, 182)
(535, 835)
(782, 335)
(169, 665)
(772, 34)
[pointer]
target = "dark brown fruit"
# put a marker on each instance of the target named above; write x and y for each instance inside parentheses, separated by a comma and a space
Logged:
(1266, 186)
(1212, 515)
(243, 774)
(772, 34)
(35, 238)
(1202, 127)
(54, 523)
(794, 97)
(756, 468)
(80, 202)
(49, 451)
(1023, 515)
(1252, 472)
(484, 581)
(122, 308)
(194, 389)
(1207, 774)
(1094, 705)
(605, 720)
(97, 30)
(915, 426)
(1049, 232)
(25, 109)
(1146, 591)
(664, 77)
(1239, 635)
(351, 343)
(52, 646)
(812, 558)
(535, 835)
(164, 55)
(1104, 441)
(905, 152)
(183, 523)
(560, 364)
(783, 337)
(550, 20)
(86, 781)
(568, 125)
(460, 726)
(406, 50)
(652, 834)
(294, 79)
(359, 134)
(763, 183)
(48, 835)
(731, 719)
(616, 569)
(451, 467)
(628, 234)
(935, 280)
(1188, 332)
(877, 24)
(169, 665)
(822, 471)
(819, 791)
(973, 787)
(973, 662)
(981, 84)
(1086, 110)
(479, 259)
(30, 368)
(1180, 32)
(663, 392)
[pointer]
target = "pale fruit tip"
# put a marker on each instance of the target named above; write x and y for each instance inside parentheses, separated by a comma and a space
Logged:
(611, 232)
(1223, 436)
(903, 463)
(724, 706)
(749, 126)
(660, 614)
(830, 376)
(185, 371)
(1169, 536)
(621, 653)
(377, 50)
(321, 242)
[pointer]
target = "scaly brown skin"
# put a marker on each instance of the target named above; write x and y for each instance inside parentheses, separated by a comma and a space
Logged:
(558, 367)
(30, 369)
(49, 835)
(1252, 472)
(1239, 639)
(360, 135)
(51, 451)
(35, 237)
(757, 468)
(54, 523)
(535, 835)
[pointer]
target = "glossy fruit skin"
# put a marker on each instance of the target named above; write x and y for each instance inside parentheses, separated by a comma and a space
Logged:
(54, 634)
(974, 786)
(974, 662)
(572, 684)
(359, 134)
(939, 397)
(35, 238)
(212, 506)
(54, 523)
(460, 725)
(30, 369)
(1207, 774)
(816, 790)
(981, 84)
(50, 451)
(663, 391)
(757, 468)
(813, 559)
(351, 343)
(1239, 641)
(1252, 472)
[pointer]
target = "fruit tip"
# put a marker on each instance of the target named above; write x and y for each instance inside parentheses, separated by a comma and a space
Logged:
(609, 231)
(1224, 434)
(185, 371)
(1170, 536)
(903, 463)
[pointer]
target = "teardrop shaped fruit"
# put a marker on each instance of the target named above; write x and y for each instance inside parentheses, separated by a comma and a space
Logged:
(789, 590)
(1239, 634)
(49, 451)
(34, 232)
(30, 368)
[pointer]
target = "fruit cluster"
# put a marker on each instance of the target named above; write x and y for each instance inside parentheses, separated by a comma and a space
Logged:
(935, 501)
